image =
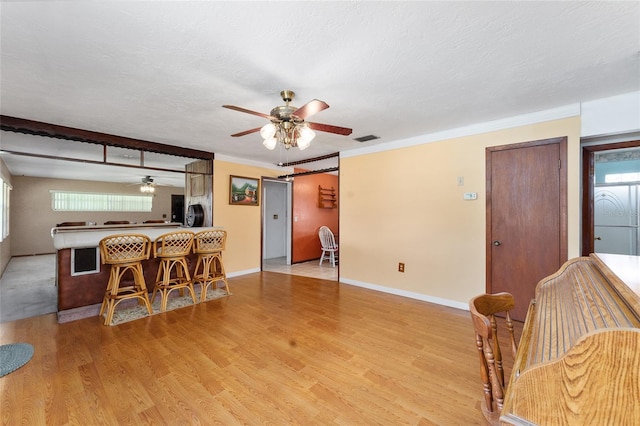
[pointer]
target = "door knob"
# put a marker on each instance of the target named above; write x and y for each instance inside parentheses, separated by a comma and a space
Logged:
(497, 243)
(597, 238)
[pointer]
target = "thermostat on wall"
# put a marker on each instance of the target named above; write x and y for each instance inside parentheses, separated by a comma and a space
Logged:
(470, 195)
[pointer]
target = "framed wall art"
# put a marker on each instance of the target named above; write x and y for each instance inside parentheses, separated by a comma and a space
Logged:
(244, 191)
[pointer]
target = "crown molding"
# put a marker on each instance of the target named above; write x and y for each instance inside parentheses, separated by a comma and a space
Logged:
(566, 111)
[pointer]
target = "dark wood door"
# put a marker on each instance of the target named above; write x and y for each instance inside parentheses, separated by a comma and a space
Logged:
(526, 217)
(588, 188)
(177, 208)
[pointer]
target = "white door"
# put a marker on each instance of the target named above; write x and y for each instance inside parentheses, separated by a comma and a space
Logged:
(616, 219)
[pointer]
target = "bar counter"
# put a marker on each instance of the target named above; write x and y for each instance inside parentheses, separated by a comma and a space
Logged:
(81, 277)
(90, 235)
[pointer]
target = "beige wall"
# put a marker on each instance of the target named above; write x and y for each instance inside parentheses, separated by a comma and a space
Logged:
(242, 223)
(32, 217)
(405, 205)
(5, 245)
(401, 205)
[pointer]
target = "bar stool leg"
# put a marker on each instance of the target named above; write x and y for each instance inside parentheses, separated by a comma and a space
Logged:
(212, 272)
(165, 283)
(196, 277)
(113, 295)
(105, 299)
(138, 277)
(184, 278)
(204, 277)
(162, 282)
(218, 271)
(108, 302)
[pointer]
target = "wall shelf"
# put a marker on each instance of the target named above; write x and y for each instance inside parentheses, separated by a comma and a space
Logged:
(327, 198)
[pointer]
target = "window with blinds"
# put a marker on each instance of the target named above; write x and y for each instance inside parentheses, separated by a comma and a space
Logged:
(96, 202)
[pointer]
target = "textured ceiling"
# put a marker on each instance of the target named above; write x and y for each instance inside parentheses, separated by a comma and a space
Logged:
(161, 71)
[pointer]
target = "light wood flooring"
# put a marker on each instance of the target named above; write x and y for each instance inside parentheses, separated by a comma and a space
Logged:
(280, 350)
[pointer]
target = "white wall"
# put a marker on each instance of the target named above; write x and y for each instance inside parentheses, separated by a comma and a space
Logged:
(610, 116)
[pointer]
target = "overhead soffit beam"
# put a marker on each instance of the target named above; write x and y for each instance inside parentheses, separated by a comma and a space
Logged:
(309, 160)
(98, 163)
(310, 172)
(38, 128)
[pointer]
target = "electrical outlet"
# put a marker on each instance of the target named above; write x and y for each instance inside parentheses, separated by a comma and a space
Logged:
(400, 267)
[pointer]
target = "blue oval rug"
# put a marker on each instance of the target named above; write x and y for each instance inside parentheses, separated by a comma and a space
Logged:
(14, 356)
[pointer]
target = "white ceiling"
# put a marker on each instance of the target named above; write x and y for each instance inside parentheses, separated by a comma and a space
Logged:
(160, 71)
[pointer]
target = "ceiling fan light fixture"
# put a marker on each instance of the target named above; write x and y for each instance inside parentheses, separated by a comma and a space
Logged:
(306, 135)
(303, 144)
(268, 131)
(270, 143)
(147, 188)
(287, 125)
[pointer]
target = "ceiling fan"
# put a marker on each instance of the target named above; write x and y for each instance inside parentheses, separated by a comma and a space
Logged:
(147, 184)
(147, 180)
(287, 123)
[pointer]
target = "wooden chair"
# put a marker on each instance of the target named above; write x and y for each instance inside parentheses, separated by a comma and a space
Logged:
(329, 246)
(125, 253)
(173, 271)
(208, 245)
(483, 310)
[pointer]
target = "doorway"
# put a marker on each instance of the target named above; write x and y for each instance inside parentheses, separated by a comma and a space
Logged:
(277, 235)
(177, 208)
(276, 220)
(526, 216)
(611, 198)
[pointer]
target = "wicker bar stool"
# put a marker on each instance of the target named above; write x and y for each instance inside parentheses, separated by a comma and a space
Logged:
(173, 272)
(209, 267)
(124, 252)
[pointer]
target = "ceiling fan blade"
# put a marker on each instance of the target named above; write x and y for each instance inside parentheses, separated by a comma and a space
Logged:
(246, 132)
(248, 111)
(330, 129)
(310, 108)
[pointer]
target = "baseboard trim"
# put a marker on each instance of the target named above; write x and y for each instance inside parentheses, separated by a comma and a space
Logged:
(75, 314)
(409, 294)
(244, 272)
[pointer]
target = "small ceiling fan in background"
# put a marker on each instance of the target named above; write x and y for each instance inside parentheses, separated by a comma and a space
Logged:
(147, 185)
(287, 123)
